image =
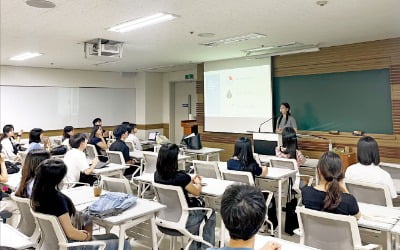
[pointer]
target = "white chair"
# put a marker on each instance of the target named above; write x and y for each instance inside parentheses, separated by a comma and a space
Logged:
(329, 231)
(276, 162)
(27, 224)
(53, 236)
(91, 152)
(371, 193)
(247, 178)
(130, 145)
(208, 169)
(172, 220)
(116, 185)
(392, 168)
(117, 158)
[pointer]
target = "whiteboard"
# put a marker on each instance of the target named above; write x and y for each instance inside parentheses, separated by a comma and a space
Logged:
(52, 108)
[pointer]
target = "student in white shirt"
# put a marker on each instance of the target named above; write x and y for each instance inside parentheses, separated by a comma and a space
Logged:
(68, 132)
(367, 169)
(132, 130)
(7, 141)
(78, 168)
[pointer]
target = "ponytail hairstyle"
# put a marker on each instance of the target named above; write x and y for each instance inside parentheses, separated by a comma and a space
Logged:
(330, 168)
(289, 142)
(287, 115)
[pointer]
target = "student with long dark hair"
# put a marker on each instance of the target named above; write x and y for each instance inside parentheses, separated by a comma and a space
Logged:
(285, 119)
(67, 133)
(243, 160)
(289, 147)
(47, 199)
(10, 149)
(96, 138)
(29, 170)
(167, 173)
(331, 194)
(367, 169)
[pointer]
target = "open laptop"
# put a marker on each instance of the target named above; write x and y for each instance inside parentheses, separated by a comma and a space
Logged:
(151, 139)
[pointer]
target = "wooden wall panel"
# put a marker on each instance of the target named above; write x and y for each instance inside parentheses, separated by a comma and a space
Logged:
(352, 57)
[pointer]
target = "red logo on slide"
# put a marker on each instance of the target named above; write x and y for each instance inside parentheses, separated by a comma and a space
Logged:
(230, 78)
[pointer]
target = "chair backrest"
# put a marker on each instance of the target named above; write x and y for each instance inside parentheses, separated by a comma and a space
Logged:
(51, 231)
(371, 193)
(116, 157)
(238, 176)
(173, 198)
(27, 223)
(116, 185)
(208, 169)
(130, 145)
(327, 231)
(23, 155)
(277, 162)
(55, 140)
(91, 151)
(392, 168)
(150, 162)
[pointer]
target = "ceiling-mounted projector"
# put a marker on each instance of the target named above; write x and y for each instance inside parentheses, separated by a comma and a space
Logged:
(103, 48)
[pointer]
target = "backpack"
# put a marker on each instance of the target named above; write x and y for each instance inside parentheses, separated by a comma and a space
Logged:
(110, 204)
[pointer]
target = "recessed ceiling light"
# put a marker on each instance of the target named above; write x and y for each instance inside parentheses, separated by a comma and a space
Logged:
(322, 3)
(233, 39)
(43, 4)
(206, 34)
(142, 22)
(25, 56)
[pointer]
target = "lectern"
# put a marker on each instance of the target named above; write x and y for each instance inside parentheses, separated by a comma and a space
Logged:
(266, 142)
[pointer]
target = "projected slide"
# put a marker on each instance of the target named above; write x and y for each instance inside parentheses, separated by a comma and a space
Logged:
(238, 99)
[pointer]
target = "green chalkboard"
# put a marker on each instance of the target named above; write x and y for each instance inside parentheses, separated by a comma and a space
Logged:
(347, 101)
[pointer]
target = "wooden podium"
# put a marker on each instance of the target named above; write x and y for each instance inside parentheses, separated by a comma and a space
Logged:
(188, 126)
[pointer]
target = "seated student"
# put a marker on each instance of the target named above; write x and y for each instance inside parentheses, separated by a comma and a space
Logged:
(331, 195)
(68, 132)
(243, 160)
(367, 169)
(47, 199)
(96, 138)
(98, 122)
(35, 137)
(243, 211)
(10, 148)
(289, 147)
(121, 133)
(29, 170)
(167, 173)
(132, 130)
(75, 159)
(7, 205)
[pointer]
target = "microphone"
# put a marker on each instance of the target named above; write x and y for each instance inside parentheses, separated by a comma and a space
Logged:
(259, 128)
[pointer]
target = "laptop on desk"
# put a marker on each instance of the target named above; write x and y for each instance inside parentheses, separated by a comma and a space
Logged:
(151, 139)
(101, 164)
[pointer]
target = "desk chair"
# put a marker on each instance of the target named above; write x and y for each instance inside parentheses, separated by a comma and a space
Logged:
(247, 178)
(392, 168)
(116, 185)
(117, 158)
(371, 193)
(23, 155)
(172, 220)
(329, 231)
(91, 152)
(53, 236)
(149, 167)
(299, 179)
(130, 145)
(27, 224)
(208, 169)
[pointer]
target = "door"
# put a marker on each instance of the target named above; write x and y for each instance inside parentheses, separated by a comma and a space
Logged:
(182, 105)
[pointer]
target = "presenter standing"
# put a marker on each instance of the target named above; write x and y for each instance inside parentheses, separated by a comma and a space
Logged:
(285, 119)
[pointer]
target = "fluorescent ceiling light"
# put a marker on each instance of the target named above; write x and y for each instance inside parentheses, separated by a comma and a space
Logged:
(233, 39)
(262, 48)
(282, 53)
(25, 56)
(142, 22)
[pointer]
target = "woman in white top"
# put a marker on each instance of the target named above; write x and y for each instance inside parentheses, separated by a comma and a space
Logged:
(7, 141)
(367, 169)
(132, 130)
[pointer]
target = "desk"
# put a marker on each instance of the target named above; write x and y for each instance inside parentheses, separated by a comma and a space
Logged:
(280, 175)
(142, 211)
(379, 218)
(207, 152)
(285, 245)
(11, 237)
(111, 169)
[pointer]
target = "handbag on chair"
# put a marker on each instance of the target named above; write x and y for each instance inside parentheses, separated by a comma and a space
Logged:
(291, 222)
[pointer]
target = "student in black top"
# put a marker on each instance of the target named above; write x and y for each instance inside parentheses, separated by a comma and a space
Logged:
(96, 139)
(47, 199)
(331, 195)
(121, 133)
(243, 160)
(98, 122)
(167, 173)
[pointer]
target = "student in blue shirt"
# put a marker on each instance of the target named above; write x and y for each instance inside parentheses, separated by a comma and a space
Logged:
(35, 138)
(243, 211)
